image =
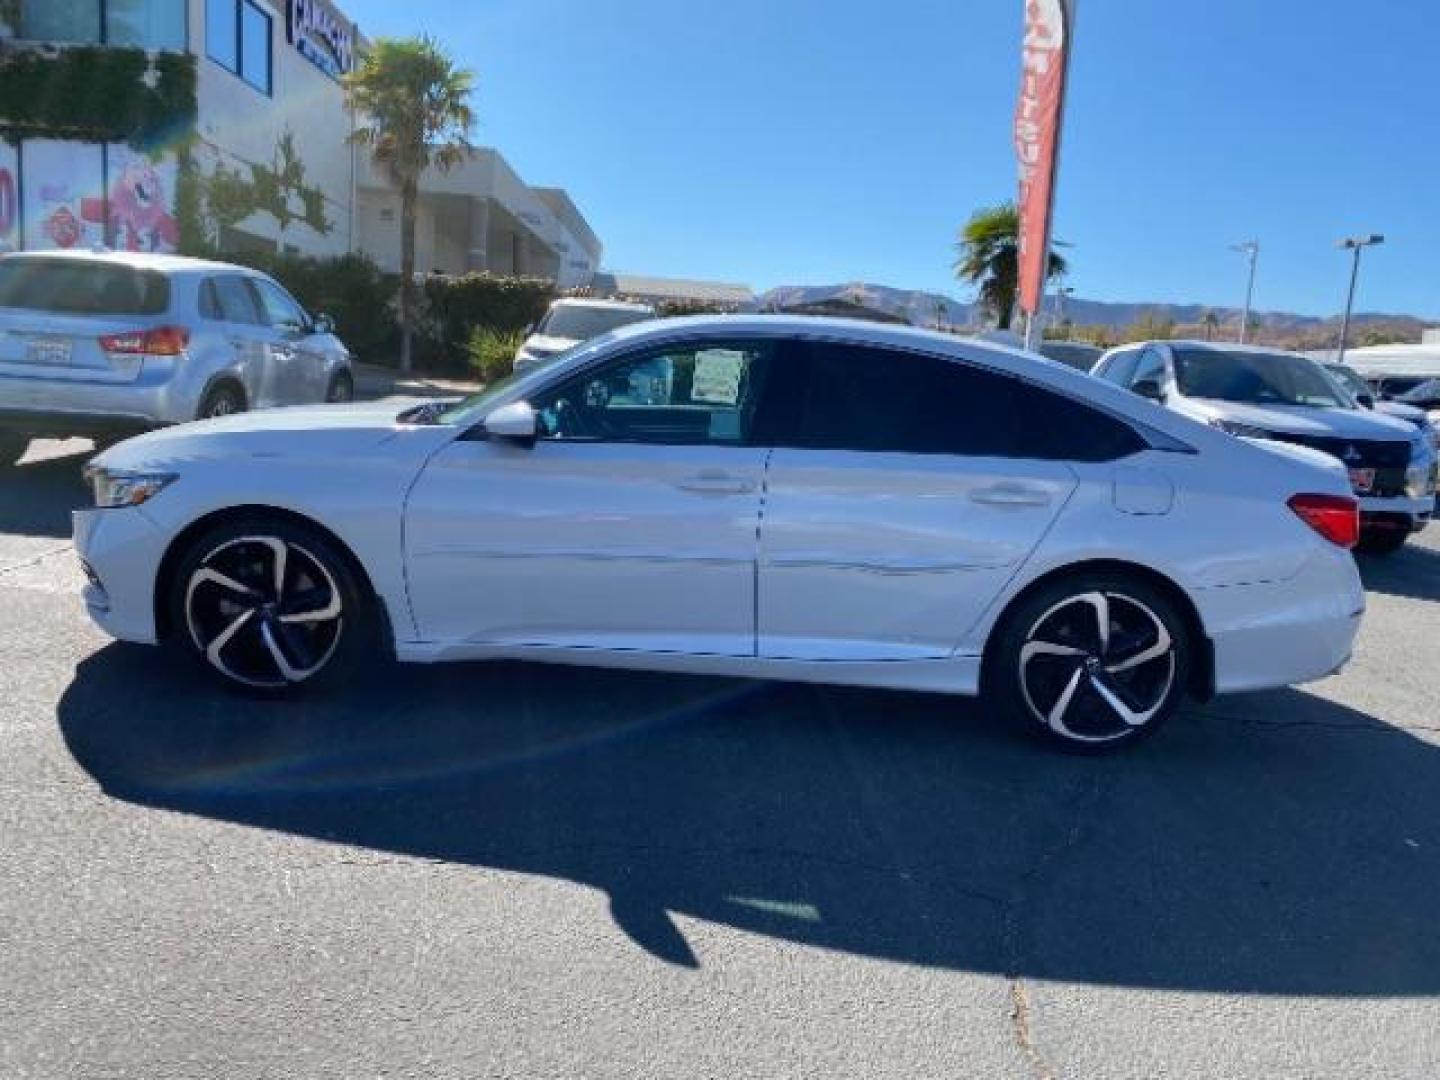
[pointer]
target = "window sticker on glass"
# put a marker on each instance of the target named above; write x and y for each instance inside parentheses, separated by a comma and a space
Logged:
(717, 376)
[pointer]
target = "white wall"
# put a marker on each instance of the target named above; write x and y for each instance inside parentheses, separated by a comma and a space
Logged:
(241, 126)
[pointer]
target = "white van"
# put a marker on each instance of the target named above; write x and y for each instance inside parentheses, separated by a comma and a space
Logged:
(569, 322)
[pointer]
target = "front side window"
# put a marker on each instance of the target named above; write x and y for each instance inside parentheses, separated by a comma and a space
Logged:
(61, 20)
(277, 309)
(679, 395)
(238, 38)
(1255, 377)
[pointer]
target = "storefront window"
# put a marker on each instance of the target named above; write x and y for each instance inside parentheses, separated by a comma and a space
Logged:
(149, 24)
(61, 20)
(238, 38)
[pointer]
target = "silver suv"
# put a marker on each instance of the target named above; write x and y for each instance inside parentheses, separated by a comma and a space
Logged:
(105, 344)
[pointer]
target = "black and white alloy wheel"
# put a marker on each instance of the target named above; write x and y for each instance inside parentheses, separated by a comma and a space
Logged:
(1095, 664)
(264, 611)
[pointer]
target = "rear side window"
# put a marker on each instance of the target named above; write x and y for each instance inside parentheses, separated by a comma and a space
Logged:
(79, 287)
(234, 301)
(878, 400)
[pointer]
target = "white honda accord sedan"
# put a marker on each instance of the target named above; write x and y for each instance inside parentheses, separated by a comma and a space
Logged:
(770, 497)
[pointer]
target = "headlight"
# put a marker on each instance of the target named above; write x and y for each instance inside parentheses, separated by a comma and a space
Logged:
(115, 488)
(1245, 431)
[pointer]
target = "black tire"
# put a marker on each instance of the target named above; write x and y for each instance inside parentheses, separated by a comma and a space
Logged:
(341, 388)
(224, 587)
(1381, 541)
(12, 448)
(1072, 689)
(222, 399)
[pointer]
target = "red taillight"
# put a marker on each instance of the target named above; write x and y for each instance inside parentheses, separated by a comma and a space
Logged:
(1335, 517)
(161, 341)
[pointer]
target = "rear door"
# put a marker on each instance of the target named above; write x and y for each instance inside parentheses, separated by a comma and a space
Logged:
(227, 300)
(299, 364)
(899, 502)
(56, 315)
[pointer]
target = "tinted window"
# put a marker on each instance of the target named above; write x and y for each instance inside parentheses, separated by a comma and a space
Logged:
(1119, 367)
(1151, 366)
(876, 400)
(255, 47)
(690, 395)
(222, 33)
(276, 307)
(235, 300)
(238, 38)
(1261, 378)
(581, 323)
(148, 24)
(76, 287)
(61, 20)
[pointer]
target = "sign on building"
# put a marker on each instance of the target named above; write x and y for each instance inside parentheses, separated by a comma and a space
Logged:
(322, 35)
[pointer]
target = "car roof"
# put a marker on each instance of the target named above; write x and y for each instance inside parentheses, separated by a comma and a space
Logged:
(140, 260)
(602, 305)
(1213, 346)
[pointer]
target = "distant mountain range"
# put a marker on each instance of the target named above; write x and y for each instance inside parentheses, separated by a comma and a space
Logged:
(929, 309)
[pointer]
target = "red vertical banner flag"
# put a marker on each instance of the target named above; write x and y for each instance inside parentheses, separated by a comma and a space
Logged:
(1045, 57)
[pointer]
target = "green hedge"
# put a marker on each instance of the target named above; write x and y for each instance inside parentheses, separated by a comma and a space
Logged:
(453, 311)
(98, 93)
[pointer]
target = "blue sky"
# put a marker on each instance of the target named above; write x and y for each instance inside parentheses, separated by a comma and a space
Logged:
(809, 142)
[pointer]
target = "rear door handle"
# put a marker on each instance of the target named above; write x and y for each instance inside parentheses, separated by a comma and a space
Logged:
(716, 482)
(1018, 495)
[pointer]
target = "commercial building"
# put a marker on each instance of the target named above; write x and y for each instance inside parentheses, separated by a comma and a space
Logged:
(244, 97)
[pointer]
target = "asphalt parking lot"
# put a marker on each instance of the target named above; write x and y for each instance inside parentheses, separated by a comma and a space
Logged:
(512, 870)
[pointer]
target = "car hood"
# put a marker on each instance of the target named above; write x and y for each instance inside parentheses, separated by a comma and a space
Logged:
(269, 433)
(1308, 421)
(541, 343)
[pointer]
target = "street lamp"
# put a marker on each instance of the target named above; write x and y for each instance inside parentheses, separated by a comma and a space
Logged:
(1355, 244)
(1251, 249)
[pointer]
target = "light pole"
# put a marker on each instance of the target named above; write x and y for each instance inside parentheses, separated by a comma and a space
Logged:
(1250, 249)
(1354, 244)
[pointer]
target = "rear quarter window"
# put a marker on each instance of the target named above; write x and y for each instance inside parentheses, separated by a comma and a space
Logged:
(78, 287)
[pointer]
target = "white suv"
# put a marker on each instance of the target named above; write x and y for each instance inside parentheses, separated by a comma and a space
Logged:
(569, 322)
(104, 343)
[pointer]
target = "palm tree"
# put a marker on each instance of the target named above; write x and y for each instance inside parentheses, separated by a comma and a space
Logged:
(989, 256)
(413, 109)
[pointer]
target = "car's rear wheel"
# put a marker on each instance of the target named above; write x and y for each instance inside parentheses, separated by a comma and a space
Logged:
(12, 448)
(342, 387)
(223, 399)
(270, 606)
(1382, 541)
(1090, 662)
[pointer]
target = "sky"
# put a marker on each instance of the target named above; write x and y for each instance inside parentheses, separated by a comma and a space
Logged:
(805, 142)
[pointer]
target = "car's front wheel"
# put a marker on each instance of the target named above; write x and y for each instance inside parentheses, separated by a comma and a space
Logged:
(12, 448)
(270, 606)
(1090, 662)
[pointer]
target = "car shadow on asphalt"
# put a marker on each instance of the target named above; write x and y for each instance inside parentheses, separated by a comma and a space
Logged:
(36, 497)
(1412, 572)
(1278, 844)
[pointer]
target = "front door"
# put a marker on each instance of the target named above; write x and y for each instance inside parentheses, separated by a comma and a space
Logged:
(898, 506)
(630, 523)
(296, 378)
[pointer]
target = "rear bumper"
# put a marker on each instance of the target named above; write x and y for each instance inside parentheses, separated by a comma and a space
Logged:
(120, 551)
(1281, 633)
(69, 405)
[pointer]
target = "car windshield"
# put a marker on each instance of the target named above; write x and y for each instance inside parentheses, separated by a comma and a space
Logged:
(581, 323)
(475, 406)
(1350, 380)
(1259, 378)
(80, 287)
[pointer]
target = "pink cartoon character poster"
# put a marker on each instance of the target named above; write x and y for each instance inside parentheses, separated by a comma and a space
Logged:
(141, 194)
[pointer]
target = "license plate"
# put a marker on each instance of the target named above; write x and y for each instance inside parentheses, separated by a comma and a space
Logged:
(1362, 480)
(54, 353)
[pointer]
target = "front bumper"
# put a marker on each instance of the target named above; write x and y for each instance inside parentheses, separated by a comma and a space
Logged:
(120, 551)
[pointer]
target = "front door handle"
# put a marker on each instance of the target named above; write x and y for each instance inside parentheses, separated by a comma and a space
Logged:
(1018, 495)
(716, 482)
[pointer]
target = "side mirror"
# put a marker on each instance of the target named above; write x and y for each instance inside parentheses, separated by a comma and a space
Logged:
(324, 324)
(1149, 388)
(1367, 401)
(514, 421)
